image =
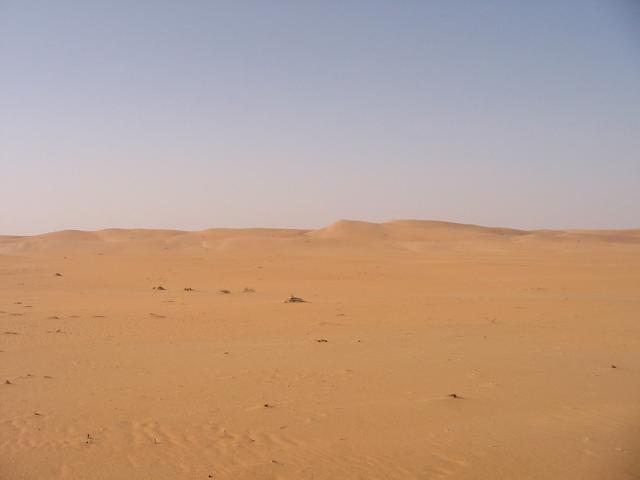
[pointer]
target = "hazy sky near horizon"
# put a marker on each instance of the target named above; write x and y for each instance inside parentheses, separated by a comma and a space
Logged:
(197, 114)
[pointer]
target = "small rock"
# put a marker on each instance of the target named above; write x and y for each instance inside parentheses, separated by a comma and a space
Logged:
(294, 299)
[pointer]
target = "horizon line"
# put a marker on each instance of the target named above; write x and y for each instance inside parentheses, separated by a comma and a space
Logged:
(310, 229)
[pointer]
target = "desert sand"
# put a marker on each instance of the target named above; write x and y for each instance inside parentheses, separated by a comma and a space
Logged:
(424, 350)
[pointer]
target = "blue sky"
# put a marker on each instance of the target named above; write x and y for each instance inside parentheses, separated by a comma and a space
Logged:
(199, 114)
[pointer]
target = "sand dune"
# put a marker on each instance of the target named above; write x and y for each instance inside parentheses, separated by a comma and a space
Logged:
(411, 230)
(103, 376)
(349, 230)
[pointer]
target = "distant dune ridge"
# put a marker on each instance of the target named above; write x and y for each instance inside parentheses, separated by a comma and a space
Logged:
(393, 233)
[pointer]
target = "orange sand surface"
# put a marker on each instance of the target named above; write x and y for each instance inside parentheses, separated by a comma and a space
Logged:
(537, 333)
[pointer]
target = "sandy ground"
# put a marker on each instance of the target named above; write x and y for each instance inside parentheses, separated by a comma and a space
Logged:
(537, 333)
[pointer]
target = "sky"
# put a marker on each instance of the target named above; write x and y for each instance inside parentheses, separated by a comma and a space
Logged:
(194, 114)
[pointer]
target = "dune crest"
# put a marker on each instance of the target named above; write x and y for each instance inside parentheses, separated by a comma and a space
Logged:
(411, 234)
